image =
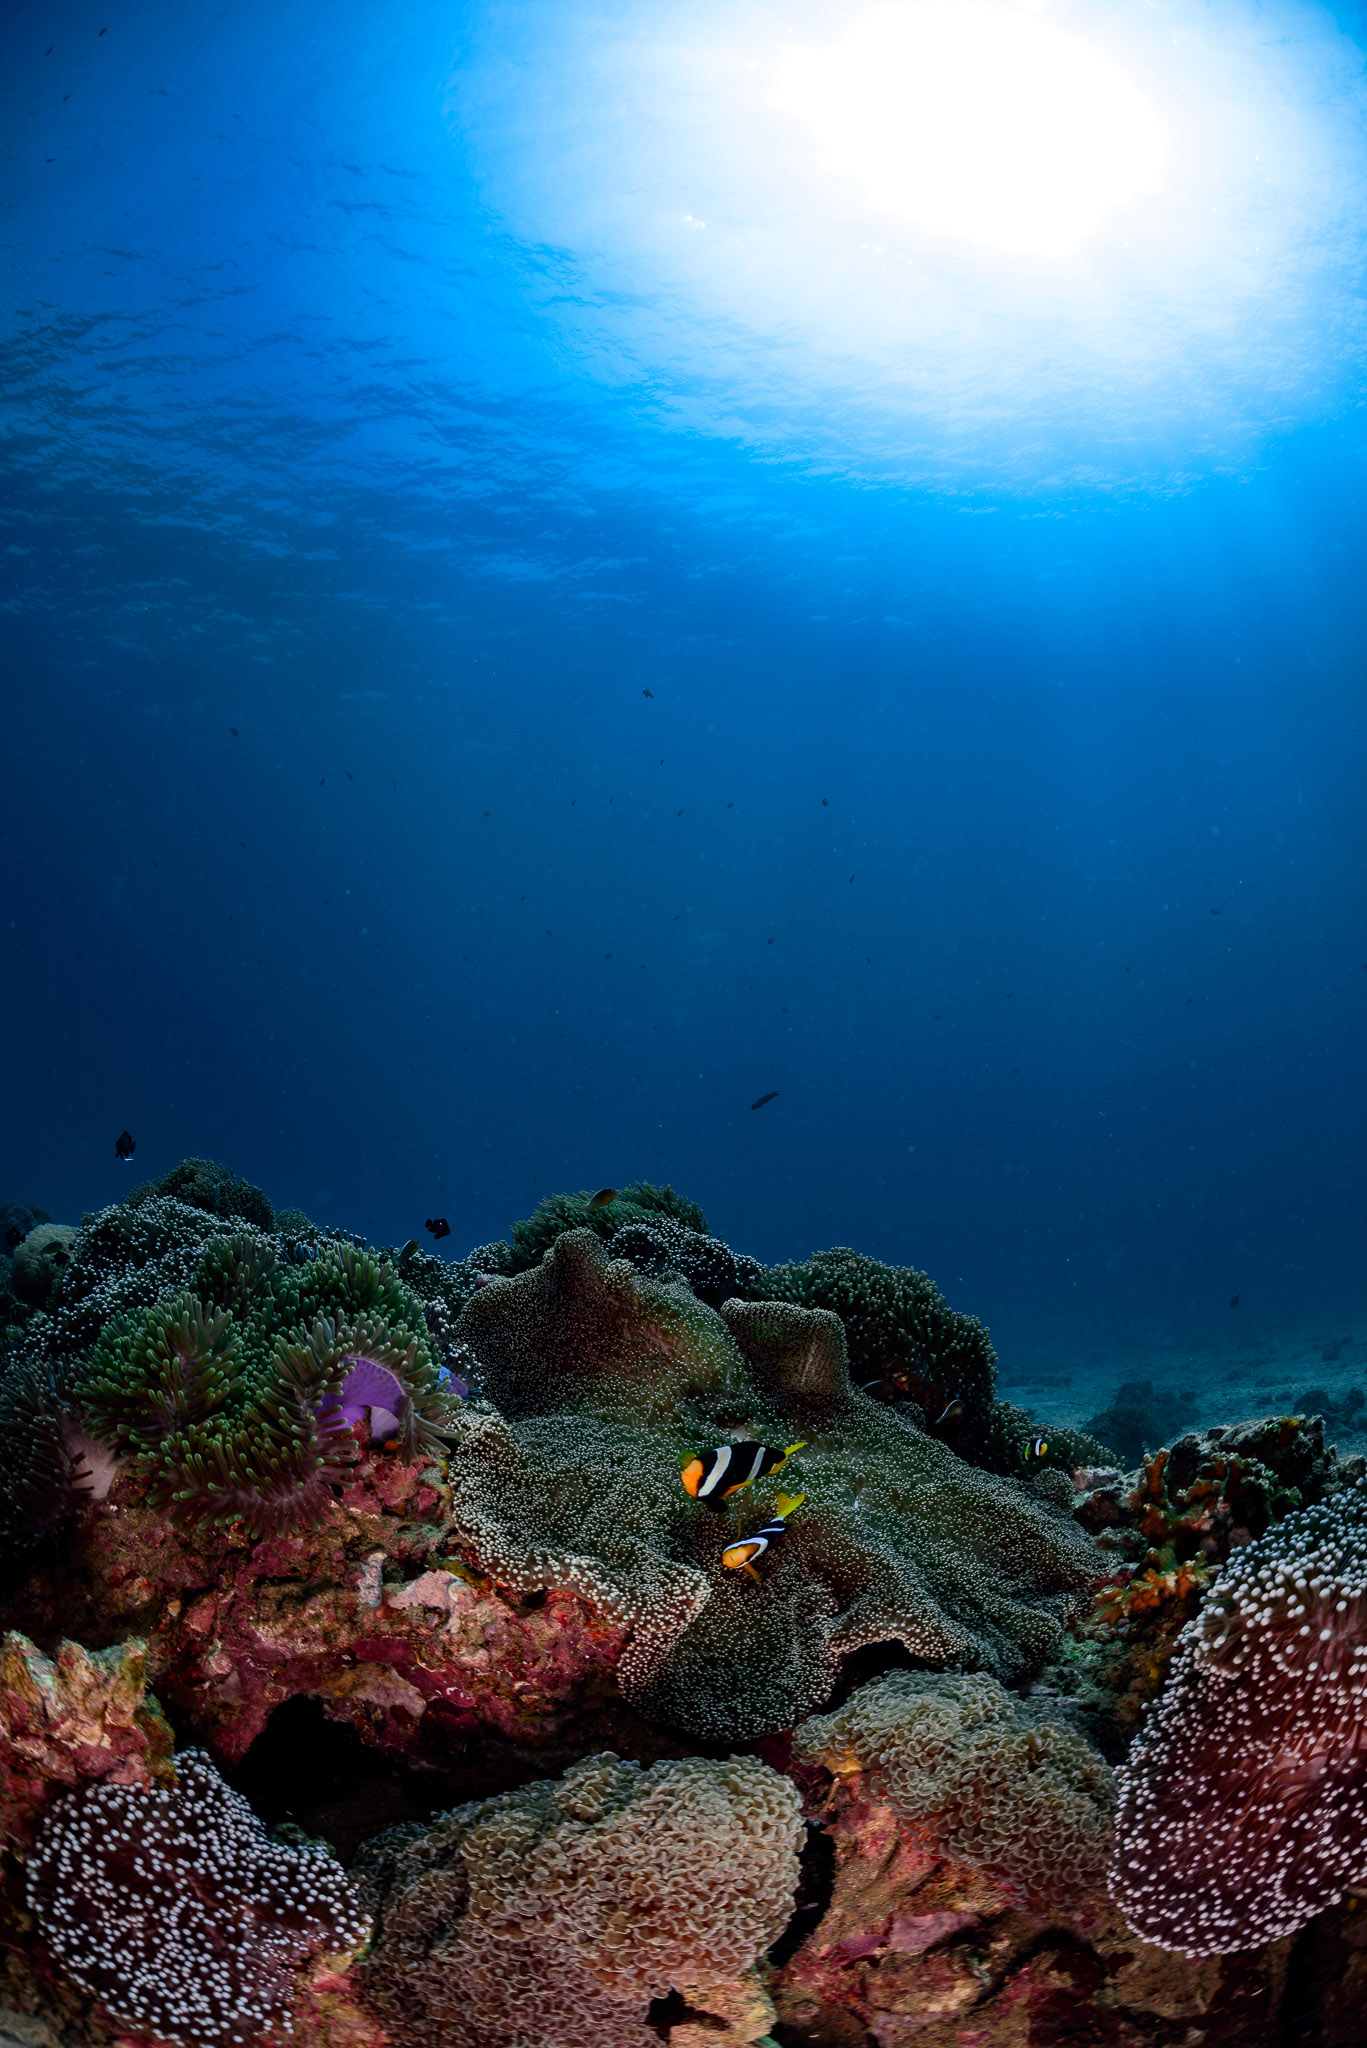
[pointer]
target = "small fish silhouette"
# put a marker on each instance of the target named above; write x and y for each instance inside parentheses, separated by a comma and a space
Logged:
(13, 1236)
(438, 1226)
(826, 802)
(604, 1195)
(1234, 1301)
(407, 1250)
(647, 693)
(233, 730)
(125, 1145)
(773, 1092)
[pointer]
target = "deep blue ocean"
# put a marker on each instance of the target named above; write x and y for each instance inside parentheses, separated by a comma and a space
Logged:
(527, 627)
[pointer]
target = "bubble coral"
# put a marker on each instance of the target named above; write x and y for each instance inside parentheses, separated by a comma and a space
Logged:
(175, 1909)
(604, 1378)
(556, 1913)
(1243, 1808)
(978, 1776)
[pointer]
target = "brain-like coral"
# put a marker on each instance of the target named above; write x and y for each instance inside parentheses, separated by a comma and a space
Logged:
(1243, 1809)
(173, 1907)
(239, 1396)
(556, 1913)
(607, 1380)
(978, 1776)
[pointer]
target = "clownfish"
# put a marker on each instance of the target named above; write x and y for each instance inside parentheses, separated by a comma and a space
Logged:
(740, 1557)
(715, 1475)
(1035, 1449)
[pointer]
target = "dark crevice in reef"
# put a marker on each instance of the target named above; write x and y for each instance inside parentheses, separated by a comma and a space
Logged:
(317, 1774)
(860, 1667)
(815, 1884)
(1326, 1980)
(320, 1776)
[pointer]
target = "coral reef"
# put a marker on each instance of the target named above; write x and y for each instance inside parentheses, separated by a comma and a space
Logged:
(204, 1184)
(374, 1614)
(1244, 1801)
(560, 1911)
(238, 1473)
(900, 1331)
(903, 1947)
(79, 1717)
(240, 1397)
(44, 1474)
(1140, 1417)
(39, 1261)
(978, 1776)
(603, 1378)
(1173, 1523)
(172, 1906)
(551, 1218)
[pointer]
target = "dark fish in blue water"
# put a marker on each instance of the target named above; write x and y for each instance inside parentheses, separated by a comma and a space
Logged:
(770, 1097)
(438, 1226)
(1234, 1301)
(604, 1195)
(125, 1145)
(647, 693)
(406, 1251)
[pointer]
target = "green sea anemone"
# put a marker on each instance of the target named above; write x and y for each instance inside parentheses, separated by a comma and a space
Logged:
(240, 1397)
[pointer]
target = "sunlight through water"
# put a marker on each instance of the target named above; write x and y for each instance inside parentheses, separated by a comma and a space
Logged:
(976, 246)
(982, 122)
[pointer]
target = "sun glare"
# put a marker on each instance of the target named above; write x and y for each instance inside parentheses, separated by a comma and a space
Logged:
(979, 122)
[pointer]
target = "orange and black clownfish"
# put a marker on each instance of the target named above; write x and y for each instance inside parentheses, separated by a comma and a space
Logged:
(713, 1476)
(740, 1557)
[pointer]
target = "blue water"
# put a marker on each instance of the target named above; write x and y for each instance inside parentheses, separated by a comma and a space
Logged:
(482, 705)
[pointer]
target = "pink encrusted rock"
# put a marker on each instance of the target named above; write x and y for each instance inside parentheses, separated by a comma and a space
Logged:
(914, 1951)
(375, 1614)
(79, 1718)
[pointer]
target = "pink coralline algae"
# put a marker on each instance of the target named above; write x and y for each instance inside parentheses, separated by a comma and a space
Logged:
(76, 1718)
(177, 1911)
(1244, 1802)
(375, 1615)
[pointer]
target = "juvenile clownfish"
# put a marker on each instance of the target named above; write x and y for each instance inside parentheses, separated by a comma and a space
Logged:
(1036, 1448)
(713, 1476)
(740, 1557)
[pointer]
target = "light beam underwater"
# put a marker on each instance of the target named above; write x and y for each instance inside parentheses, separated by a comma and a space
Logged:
(976, 246)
